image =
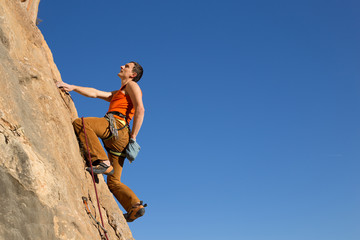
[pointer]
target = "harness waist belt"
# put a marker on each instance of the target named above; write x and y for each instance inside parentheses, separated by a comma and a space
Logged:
(119, 114)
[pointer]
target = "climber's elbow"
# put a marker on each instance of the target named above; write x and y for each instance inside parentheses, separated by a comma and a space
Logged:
(140, 110)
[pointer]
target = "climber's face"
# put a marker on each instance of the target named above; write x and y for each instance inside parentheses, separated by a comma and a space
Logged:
(126, 71)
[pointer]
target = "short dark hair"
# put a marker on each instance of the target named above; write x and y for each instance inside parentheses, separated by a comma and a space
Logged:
(138, 70)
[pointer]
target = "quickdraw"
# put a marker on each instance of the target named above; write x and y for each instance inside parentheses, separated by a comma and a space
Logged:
(90, 214)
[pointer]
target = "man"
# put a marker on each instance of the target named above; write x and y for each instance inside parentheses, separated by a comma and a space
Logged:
(125, 104)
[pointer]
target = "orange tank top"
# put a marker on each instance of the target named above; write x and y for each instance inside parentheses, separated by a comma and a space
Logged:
(121, 102)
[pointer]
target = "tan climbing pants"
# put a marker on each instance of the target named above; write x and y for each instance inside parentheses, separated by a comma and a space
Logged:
(99, 128)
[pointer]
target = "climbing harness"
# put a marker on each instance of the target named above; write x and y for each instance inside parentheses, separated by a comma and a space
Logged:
(112, 121)
(92, 174)
(132, 149)
(114, 131)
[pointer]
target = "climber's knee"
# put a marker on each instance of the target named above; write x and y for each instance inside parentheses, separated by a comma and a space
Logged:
(77, 123)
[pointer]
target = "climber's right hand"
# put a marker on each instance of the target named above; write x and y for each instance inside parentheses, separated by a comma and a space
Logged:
(64, 86)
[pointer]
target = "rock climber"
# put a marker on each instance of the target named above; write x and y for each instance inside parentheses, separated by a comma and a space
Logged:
(114, 130)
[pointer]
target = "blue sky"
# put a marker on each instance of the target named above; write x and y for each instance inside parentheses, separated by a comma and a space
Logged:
(252, 115)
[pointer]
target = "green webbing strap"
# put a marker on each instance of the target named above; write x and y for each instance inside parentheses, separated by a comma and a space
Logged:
(116, 153)
(119, 154)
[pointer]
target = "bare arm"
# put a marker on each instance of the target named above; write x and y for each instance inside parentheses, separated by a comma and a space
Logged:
(133, 89)
(86, 91)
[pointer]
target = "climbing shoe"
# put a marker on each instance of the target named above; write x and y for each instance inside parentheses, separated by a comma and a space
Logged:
(138, 210)
(101, 168)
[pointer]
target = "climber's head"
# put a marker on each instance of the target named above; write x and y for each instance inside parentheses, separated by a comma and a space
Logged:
(131, 70)
(138, 70)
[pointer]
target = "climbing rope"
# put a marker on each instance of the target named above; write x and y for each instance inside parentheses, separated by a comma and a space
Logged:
(92, 174)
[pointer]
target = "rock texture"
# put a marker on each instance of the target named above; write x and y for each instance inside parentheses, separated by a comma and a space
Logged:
(42, 176)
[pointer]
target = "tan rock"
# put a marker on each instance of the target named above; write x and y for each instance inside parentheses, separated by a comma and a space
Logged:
(42, 176)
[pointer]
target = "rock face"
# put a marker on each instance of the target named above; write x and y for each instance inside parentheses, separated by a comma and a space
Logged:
(42, 176)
